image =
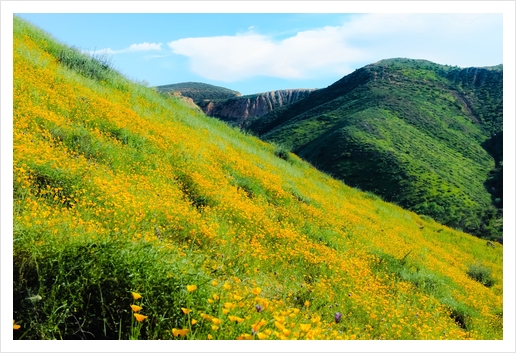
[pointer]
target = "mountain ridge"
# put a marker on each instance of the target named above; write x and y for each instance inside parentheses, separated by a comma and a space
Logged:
(366, 115)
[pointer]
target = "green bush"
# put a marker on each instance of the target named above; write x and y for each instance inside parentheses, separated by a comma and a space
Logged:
(481, 274)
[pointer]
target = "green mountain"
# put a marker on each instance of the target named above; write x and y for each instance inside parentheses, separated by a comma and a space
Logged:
(199, 91)
(422, 135)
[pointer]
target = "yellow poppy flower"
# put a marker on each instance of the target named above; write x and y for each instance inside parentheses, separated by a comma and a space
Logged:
(136, 296)
(214, 283)
(225, 311)
(307, 303)
(215, 321)
(235, 318)
(191, 287)
(180, 332)
(136, 308)
(261, 335)
(226, 286)
(210, 337)
(245, 336)
(186, 311)
(229, 305)
(214, 327)
(16, 326)
(257, 325)
(216, 297)
(140, 317)
(206, 316)
(256, 290)
(194, 321)
(305, 328)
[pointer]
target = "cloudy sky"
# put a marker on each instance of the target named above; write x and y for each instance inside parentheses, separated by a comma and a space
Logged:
(254, 53)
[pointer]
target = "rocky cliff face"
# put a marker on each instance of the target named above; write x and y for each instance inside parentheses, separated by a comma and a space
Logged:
(240, 110)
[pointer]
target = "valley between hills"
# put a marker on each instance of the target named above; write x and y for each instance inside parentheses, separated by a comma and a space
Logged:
(370, 209)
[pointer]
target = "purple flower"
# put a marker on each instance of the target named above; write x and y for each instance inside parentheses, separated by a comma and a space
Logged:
(258, 308)
(338, 317)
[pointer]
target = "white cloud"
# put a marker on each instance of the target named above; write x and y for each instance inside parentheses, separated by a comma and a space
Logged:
(145, 46)
(458, 39)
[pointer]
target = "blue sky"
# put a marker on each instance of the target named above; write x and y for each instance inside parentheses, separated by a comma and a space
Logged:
(253, 53)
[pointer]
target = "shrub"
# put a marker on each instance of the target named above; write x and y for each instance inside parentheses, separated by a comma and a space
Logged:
(282, 152)
(481, 274)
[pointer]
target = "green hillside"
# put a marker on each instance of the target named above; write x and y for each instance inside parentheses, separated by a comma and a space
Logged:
(199, 91)
(414, 132)
(138, 217)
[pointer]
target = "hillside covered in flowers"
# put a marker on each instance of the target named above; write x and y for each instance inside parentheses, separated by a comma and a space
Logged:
(138, 217)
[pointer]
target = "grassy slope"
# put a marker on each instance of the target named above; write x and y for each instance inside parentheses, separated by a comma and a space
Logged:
(118, 189)
(408, 130)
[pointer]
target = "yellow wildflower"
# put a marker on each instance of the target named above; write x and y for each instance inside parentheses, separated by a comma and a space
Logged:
(245, 336)
(216, 297)
(226, 286)
(194, 321)
(191, 287)
(180, 332)
(214, 327)
(215, 321)
(256, 291)
(261, 335)
(307, 303)
(136, 308)
(214, 283)
(206, 316)
(15, 326)
(136, 296)
(257, 325)
(225, 311)
(305, 327)
(186, 311)
(140, 317)
(278, 325)
(235, 318)
(229, 305)
(210, 337)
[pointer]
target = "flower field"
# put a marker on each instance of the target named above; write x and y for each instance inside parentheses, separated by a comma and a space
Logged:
(137, 217)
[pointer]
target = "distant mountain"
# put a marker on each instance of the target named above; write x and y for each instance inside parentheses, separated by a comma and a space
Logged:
(243, 110)
(198, 91)
(423, 135)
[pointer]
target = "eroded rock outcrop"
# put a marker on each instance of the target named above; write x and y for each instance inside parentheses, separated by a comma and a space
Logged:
(239, 110)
